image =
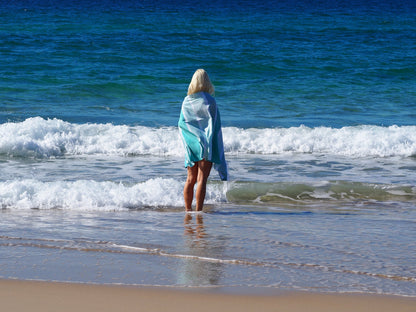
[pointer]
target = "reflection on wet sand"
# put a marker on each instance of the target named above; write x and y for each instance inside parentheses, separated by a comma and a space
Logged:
(195, 272)
(195, 231)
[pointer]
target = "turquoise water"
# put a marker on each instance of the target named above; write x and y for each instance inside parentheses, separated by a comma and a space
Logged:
(318, 110)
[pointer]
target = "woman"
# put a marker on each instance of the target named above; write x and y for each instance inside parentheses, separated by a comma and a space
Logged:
(200, 129)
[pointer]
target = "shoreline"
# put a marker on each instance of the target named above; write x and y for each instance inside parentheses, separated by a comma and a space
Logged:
(21, 295)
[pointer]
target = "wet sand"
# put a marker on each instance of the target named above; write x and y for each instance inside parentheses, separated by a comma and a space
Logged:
(16, 296)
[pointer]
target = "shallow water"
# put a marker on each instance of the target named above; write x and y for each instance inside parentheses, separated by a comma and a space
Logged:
(303, 248)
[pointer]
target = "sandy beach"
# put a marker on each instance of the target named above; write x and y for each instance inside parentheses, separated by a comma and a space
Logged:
(34, 296)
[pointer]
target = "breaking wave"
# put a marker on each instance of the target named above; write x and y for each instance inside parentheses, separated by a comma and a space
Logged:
(167, 193)
(45, 138)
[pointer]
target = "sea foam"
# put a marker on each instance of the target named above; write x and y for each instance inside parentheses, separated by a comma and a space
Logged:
(44, 138)
(103, 196)
(38, 137)
(163, 193)
(89, 195)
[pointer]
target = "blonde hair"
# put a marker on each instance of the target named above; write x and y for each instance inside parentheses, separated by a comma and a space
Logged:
(201, 83)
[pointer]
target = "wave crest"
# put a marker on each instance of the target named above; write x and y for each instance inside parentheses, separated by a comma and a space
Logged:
(167, 193)
(89, 195)
(45, 138)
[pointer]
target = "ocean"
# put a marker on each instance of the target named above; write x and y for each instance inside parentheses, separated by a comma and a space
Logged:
(317, 101)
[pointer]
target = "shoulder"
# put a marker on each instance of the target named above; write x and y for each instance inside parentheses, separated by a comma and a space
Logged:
(208, 96)
(201, 94)
(208, 99)
(200, 97)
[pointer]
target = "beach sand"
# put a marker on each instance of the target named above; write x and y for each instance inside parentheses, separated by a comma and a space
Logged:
(34, 296)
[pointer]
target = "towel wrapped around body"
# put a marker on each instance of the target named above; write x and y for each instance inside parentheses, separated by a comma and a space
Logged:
(200, 130)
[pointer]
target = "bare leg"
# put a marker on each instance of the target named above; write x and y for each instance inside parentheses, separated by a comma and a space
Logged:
(204, 169)
(188, 190)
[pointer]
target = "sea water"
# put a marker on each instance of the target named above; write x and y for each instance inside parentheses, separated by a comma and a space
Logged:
(317, 101)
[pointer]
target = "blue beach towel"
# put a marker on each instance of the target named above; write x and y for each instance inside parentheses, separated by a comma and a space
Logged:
(200, 130)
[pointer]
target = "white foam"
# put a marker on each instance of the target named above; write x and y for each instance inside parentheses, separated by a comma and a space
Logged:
(38, 137)
(53, 137)
(185, 256)
(359, 141)
(92, 195)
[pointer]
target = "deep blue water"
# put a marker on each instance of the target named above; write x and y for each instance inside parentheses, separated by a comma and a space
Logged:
(274, 63)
